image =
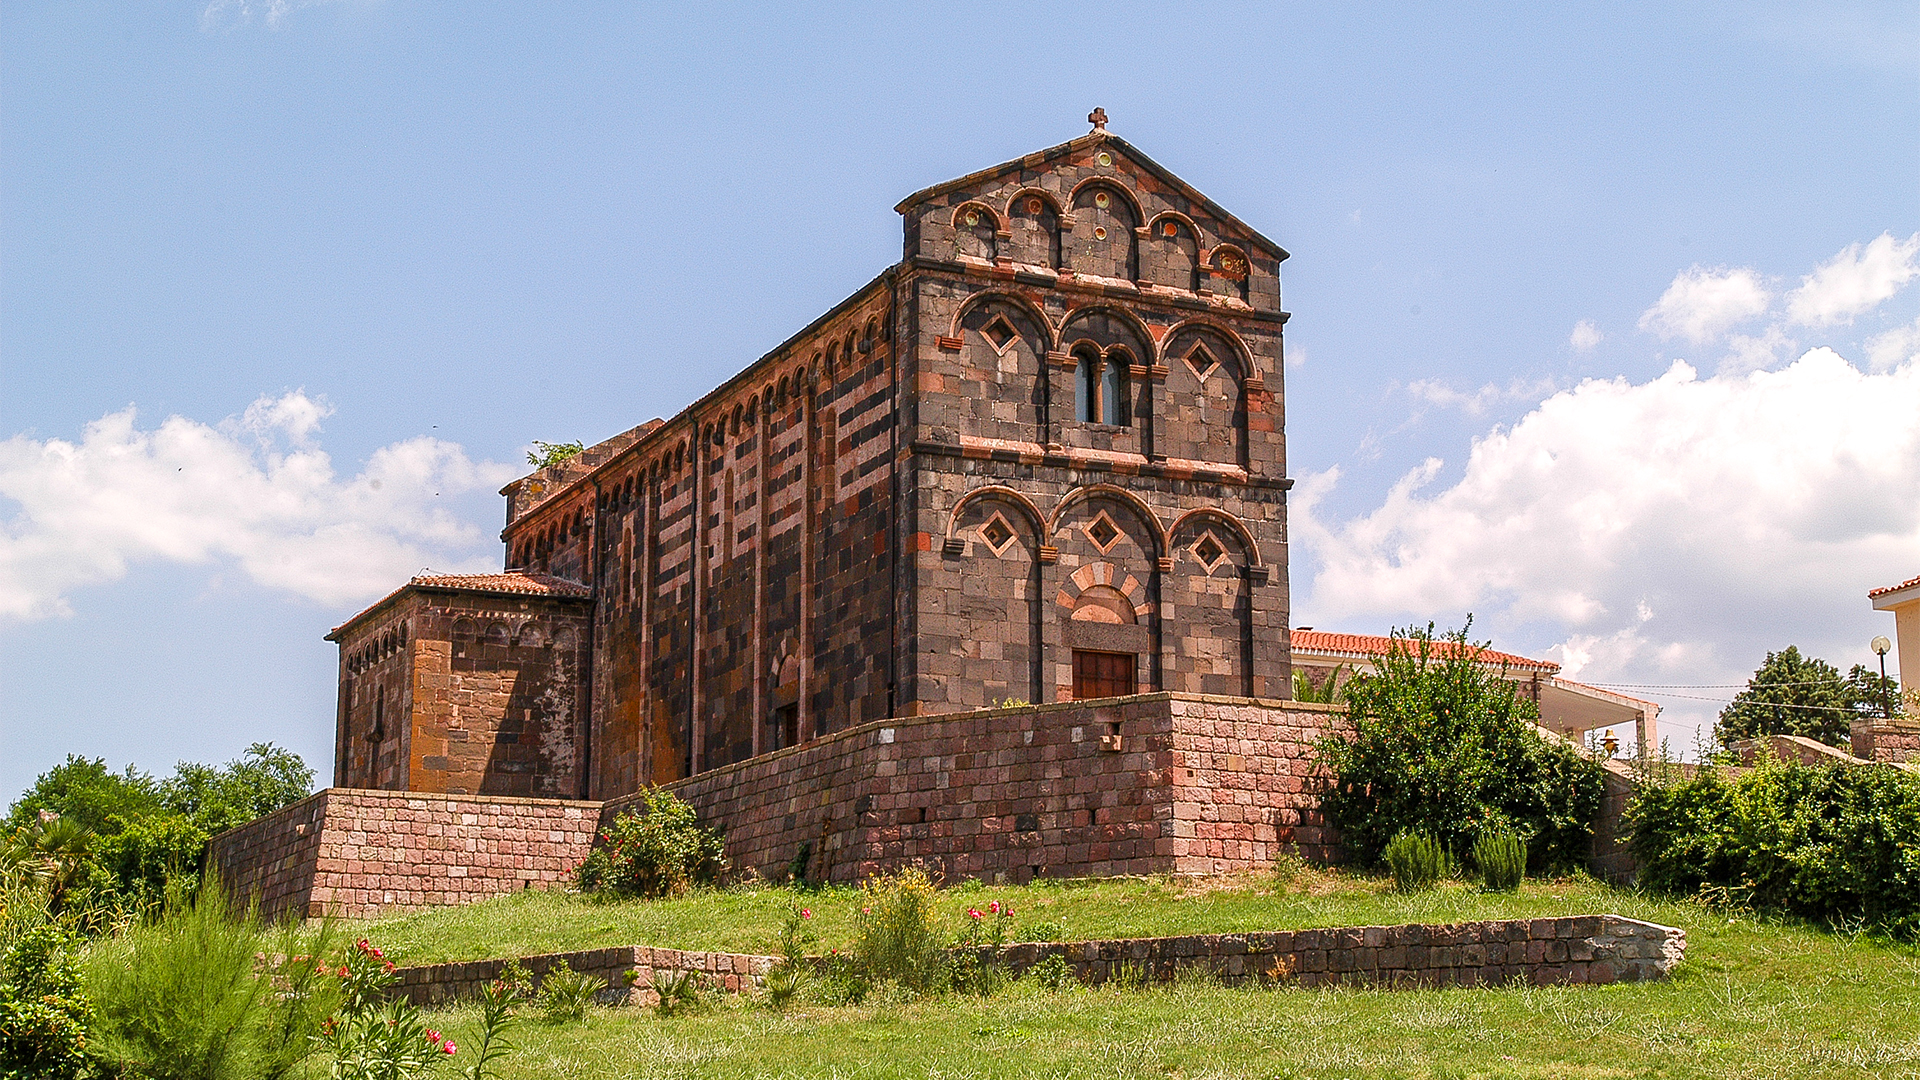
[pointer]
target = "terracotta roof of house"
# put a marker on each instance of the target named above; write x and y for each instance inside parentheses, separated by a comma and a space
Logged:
(1907, 584)
(1369, 645)
(511, 583)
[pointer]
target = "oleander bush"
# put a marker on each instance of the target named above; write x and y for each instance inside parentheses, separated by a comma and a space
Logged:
(657, 850)
(1836, 844)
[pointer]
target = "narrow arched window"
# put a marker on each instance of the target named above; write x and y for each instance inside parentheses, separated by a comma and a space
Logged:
(1113, 385)
(1086, 390)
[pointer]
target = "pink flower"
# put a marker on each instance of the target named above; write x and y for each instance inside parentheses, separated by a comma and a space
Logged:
(806, 913)
(450, 1048)
(973, 913)
(433, 1036)
(362, 945)
(343, 971)
(866, 911)
(994, 907)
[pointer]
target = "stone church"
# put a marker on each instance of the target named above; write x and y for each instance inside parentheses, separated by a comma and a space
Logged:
(1039, 459)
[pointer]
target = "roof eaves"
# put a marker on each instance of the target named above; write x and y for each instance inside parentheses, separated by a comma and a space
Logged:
(1165, 174)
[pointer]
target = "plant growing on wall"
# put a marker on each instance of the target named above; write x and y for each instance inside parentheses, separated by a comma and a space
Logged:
(545, 454)
(1444, 745)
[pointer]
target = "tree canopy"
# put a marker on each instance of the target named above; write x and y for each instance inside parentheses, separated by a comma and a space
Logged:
(1792, 694)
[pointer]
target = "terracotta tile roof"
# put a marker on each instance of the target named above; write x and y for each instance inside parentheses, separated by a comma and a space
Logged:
(1369, 645)
(1907, 584)
(513, 582)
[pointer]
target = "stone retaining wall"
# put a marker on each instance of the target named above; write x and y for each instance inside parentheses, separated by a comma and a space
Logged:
(364, 853)
(731, 973)
(1154, 784)
(1577, 950)
(1584, 949)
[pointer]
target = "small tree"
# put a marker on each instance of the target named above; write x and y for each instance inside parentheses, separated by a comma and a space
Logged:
(1791, 694)
(545, 454)
(1441, 744)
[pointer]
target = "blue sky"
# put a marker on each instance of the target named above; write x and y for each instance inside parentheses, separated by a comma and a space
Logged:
(345, 261)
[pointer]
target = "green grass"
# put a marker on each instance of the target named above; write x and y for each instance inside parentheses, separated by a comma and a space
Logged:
(1753, 999)
(748, 919)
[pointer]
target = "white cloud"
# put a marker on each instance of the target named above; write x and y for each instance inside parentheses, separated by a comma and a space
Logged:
(1754, 352)
(1895, 347)
(227, 14)
(1585, 336)
(1477, 402)
(1703, 304)
(1855, 281)
(253, 490)
(1669, 531)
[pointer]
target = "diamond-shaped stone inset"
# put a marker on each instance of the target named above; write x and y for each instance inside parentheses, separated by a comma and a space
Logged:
(996, 534)
(1103, 532)
(1202, 362)
(1209, 550)
(999, 334)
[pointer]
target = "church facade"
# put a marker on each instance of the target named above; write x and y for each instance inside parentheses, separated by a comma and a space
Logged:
(1039, 459)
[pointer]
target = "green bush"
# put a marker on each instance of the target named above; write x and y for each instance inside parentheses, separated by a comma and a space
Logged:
(1051, 972)
(1500, 855)
(1838, 844)
(1444, 745)
(189, 994)
(658, 850)
(896, 939)
(44, 1011)
(566, 993)
(1418, 861)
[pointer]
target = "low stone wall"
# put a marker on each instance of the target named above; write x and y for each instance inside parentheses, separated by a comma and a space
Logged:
(1159, 783)
(1585, 949)
(731, 973)
(361, 853)
(1579, 950)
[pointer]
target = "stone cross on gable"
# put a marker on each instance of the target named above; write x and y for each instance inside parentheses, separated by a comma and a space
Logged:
(1098, 118)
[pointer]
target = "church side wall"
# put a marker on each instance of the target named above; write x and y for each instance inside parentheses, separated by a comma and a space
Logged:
(741, 557)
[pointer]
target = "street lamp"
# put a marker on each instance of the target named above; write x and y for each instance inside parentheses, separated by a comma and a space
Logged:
(1880, 646)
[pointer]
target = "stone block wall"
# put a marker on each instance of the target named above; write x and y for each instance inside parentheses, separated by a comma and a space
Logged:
(362, 853)
(1892, 741)
(1587, 949)
(730, 973)
(1159, 783)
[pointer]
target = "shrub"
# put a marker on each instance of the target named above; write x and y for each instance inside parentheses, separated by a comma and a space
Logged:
(895, 939)
(186, 994)
(1418, 861)
(679, 993)
(43, 1009)
(1501, 857)
(788, 976)
(391, 1042)
(566, 993)
(1831, 843)
(1444, 745)
(1051, 971)
(659, 850)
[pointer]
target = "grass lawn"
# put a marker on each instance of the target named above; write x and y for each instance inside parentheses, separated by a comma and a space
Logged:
(1753, 999)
